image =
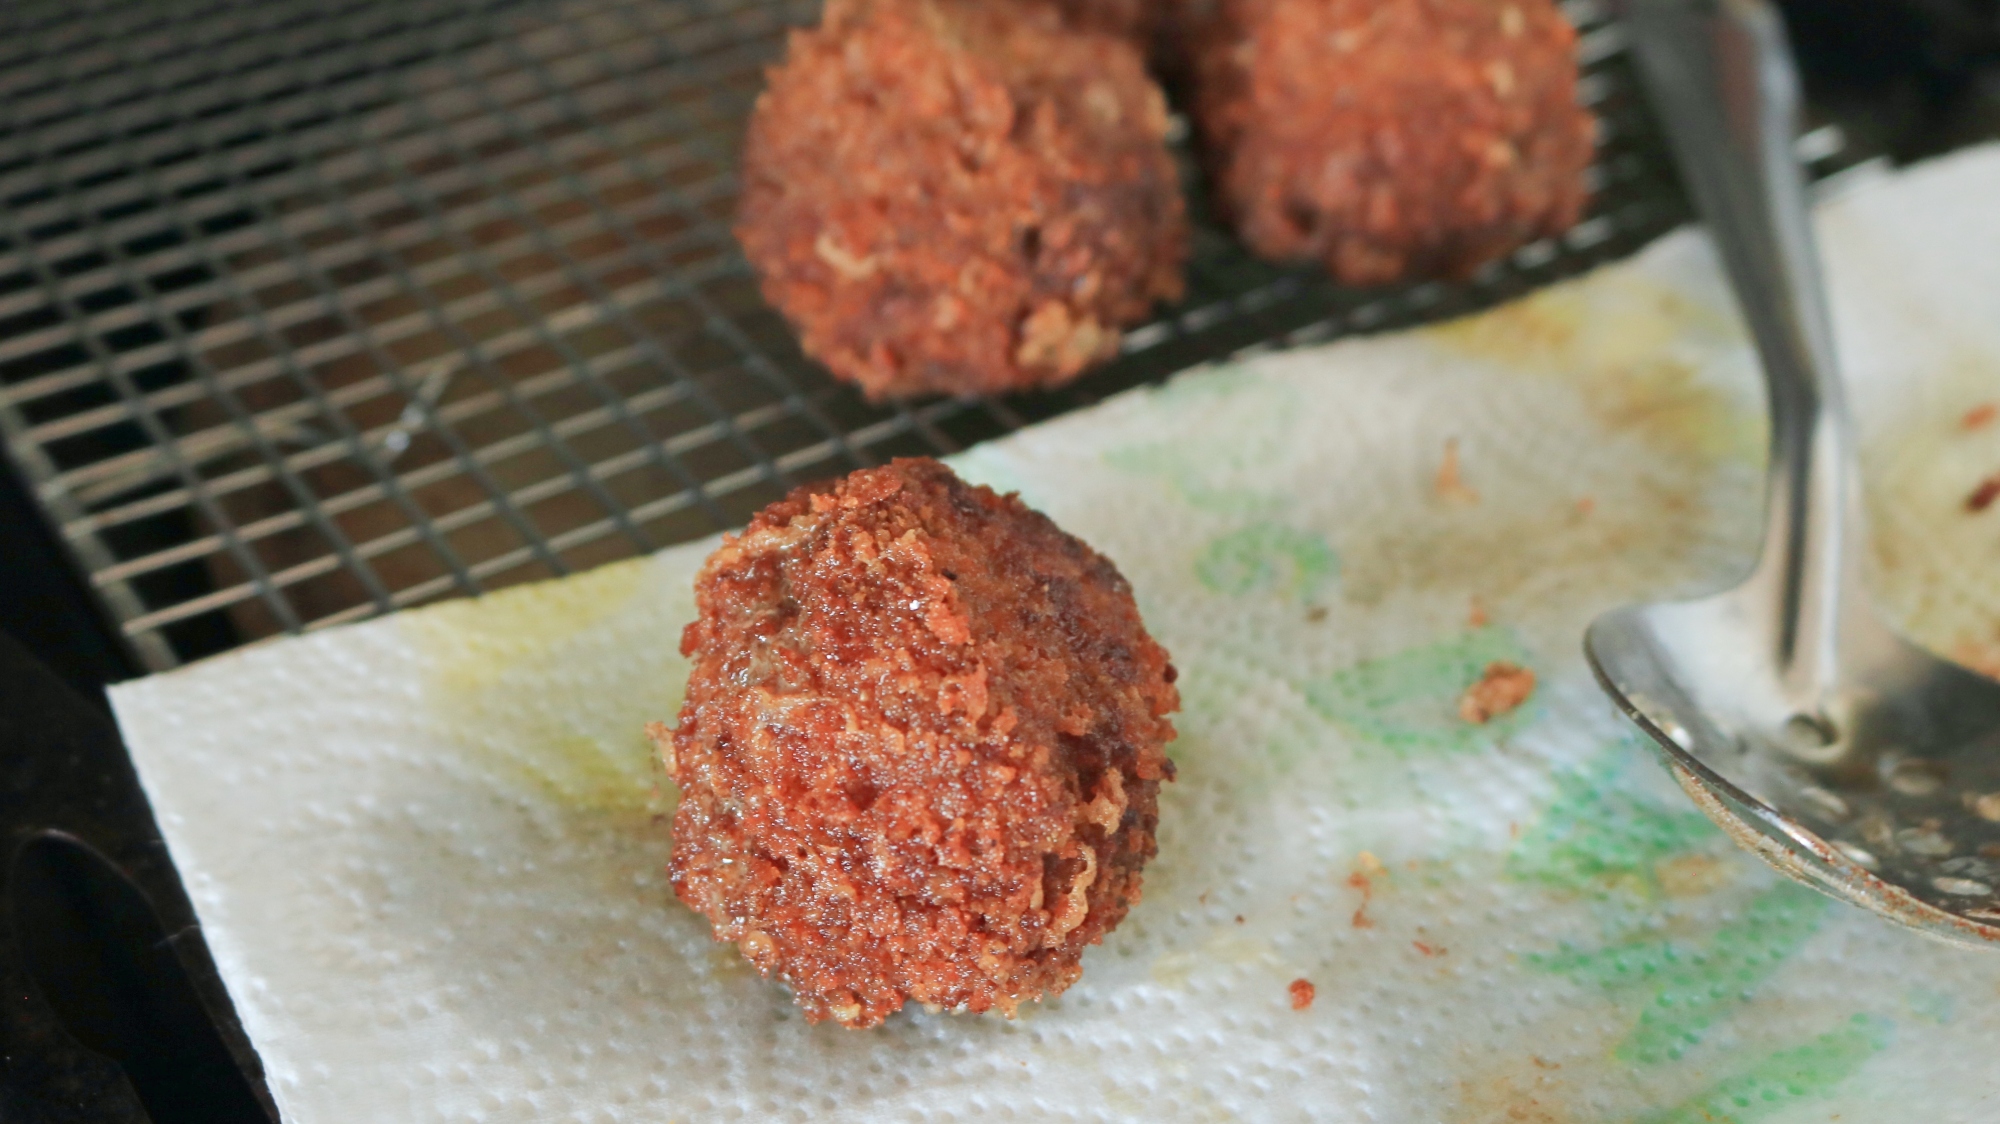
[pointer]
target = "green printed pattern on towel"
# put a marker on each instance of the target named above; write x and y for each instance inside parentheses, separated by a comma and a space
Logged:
(1782, 1078)
(1409, 701)
(1267, 557)
(1598, 836)
(1690, 985)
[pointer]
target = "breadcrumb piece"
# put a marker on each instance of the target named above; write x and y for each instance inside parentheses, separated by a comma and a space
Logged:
(1502, 688)
(1980, 416)
(1366, 868)
(1302, 993)
(1983, 496)
(1450, 484)
(1978, 657)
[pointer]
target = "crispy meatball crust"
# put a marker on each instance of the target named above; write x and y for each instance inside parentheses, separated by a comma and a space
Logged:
(922, 746)
(1392, 139)
(957, 196)
(1131, 19)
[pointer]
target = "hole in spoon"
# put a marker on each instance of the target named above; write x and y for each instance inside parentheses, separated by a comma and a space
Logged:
(1967, 866)
(1859, 857)
(1824, 802)
(1923, 841)
(1808, 734)
(1917, 776)
(1987, 806)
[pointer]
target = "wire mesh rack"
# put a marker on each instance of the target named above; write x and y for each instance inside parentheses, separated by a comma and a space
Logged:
(313, 310)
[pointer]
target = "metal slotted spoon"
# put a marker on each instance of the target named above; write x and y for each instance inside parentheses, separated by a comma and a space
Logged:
(1834, 749)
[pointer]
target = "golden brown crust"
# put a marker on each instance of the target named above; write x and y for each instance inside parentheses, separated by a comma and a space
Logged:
(950, 196)
(1392, 139)
(922, 746)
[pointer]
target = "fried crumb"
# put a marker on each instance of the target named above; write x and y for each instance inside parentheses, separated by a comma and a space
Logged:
(1980, 416)
(1978, 657)
(1983, 496)
(1239, 919)
(1585, 505)
(1302, 993)
(1502, 688)
(1360, 882)
(1687, 876)
(1366, 868)
(1427, 949)
(1475, 617)
(1316, 614)
(1450, 484)
(1987, 806)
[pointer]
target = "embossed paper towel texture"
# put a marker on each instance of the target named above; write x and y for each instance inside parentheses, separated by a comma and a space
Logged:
(429, 850)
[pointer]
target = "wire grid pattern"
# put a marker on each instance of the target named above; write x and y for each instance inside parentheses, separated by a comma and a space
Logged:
(312, 310)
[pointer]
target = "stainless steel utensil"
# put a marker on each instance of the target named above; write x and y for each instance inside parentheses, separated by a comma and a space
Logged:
(1818, 738)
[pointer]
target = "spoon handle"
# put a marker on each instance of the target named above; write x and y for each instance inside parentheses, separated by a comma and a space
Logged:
(1721, 77)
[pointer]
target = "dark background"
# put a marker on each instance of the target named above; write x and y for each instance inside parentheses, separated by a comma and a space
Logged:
(1905, 79)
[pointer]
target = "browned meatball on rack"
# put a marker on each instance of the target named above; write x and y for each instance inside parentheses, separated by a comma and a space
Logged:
(921, 750)
(957, 196)
(1392, 139)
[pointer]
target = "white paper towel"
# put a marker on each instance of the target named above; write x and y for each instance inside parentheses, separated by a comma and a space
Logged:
(428, 851)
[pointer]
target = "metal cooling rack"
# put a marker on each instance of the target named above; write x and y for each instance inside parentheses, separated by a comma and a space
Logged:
(312, 310)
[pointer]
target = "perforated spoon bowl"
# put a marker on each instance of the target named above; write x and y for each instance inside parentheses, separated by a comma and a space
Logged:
(1833, 748)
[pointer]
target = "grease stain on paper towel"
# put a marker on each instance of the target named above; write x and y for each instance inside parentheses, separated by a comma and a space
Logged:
(554, 683)
(1524, 1093)
(1631, 347)
(1932, 557)
(1637, 450)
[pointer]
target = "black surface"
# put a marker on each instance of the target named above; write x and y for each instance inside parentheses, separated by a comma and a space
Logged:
(1907, 78)
(45, 605)
(98, 956)
(136, 983)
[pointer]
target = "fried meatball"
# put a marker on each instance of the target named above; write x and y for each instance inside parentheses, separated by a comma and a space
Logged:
(1132, 19)
(956, 196)
(922, 746)
(1392, 139)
